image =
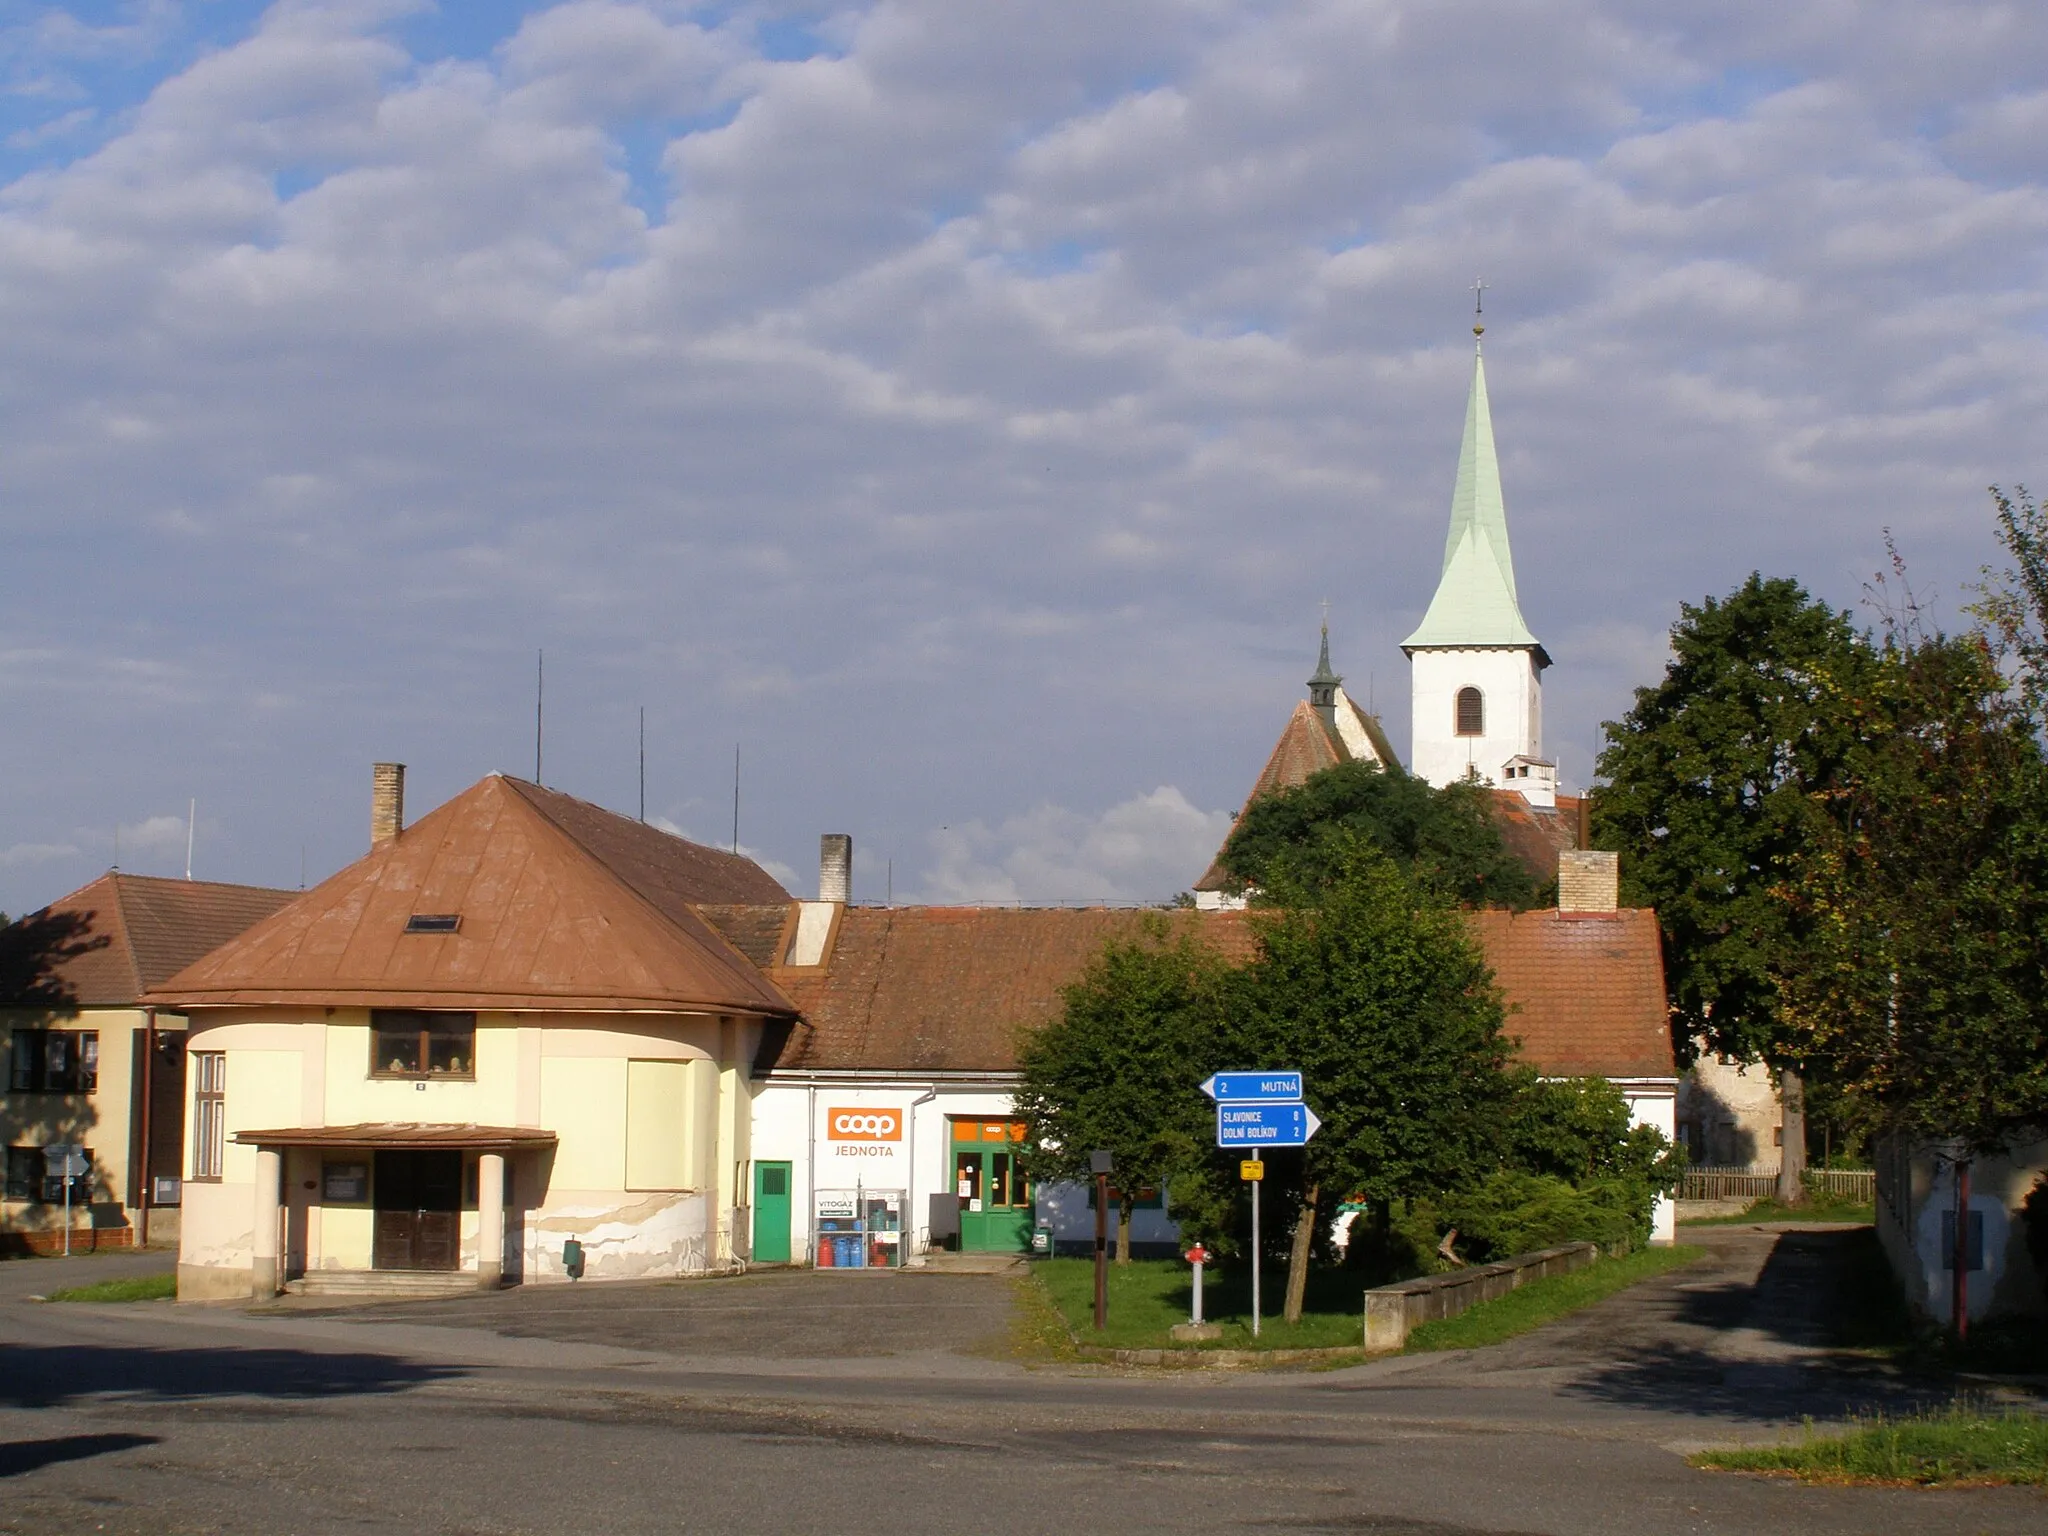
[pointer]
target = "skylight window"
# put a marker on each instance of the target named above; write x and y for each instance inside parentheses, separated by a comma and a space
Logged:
(433, 922)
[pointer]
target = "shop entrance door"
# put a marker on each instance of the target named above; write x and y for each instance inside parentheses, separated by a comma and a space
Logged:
(995, 1197)
(771, 1213)
(418, 1199)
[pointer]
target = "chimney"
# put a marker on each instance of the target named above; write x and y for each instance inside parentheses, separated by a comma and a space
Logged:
(835, 867)
(387, 802)
(1588, 883)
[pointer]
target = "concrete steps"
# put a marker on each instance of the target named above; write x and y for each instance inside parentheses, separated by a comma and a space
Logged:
(361, 1283)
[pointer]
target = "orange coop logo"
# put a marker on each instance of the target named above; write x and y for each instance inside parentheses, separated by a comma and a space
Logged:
(863, 1125)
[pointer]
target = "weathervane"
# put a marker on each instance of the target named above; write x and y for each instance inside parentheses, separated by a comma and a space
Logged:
(1479, 306)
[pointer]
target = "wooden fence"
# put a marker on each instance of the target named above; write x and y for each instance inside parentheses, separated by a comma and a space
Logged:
(1755, 1183)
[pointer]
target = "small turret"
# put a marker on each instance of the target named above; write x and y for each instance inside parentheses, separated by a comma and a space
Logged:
(1322, 688)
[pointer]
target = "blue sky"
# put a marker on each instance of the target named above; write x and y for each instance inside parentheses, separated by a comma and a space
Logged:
(963, 409)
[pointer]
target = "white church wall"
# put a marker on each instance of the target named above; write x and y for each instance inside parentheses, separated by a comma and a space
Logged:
(1508, 681)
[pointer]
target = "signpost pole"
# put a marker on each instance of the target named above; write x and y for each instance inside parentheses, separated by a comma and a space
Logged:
(67, 1207)
(1198, 1291)
(1256, 1263)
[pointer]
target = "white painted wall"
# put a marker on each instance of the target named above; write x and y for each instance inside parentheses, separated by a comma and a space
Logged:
(1508, 679)
(1654, 1101)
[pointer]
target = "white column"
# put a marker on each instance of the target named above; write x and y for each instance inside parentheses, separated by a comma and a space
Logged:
(263, 1269)
(490, 1220)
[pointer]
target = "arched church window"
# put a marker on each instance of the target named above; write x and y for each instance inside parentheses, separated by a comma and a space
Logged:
(1471, 712)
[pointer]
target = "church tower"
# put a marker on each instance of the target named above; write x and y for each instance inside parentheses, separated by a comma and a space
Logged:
(1476, 672)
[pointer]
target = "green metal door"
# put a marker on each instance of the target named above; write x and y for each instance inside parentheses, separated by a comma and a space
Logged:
(771, 1213)
(995, 1199)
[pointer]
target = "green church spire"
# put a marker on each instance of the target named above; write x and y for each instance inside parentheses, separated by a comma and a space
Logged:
(1475, 602)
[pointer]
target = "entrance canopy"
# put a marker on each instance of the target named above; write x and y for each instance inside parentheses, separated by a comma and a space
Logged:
(479, 1138)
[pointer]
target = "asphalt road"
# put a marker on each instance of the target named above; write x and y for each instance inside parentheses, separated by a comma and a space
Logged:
(885, 1403)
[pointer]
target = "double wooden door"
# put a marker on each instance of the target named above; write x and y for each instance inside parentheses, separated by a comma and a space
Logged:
(418, 1199)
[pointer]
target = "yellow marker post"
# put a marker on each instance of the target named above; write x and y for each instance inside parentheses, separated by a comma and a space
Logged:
(1251, 1170)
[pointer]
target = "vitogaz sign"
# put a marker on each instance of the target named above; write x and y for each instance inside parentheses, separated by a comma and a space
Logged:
(863, 1130)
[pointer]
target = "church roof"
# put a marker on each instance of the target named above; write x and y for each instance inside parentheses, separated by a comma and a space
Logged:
(1475, 602)
(559, 904)
(1306, 747)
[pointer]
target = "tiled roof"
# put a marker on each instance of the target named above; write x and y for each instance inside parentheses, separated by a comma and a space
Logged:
(1585, 994)
(1534, 834)
(756, 931)
(122, 934)
(561, 904)
(1306, 747)
(949, 989)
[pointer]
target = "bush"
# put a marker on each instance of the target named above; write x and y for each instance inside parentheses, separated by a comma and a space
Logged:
(1510, 1212)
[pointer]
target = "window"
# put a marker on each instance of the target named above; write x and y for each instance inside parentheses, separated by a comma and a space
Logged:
(24, 1173)
(1471, 712)
(29, 1178)
(407, 1044)
(209, 1112)
(55, 1061)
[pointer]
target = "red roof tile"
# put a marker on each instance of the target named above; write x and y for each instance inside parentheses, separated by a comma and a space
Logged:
(122, 934)
(950, 989)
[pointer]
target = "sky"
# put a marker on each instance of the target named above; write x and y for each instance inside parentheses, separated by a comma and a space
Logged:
(960, 411)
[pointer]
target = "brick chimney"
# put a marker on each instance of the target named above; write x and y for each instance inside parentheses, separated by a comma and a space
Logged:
(1588, 883)
(387, 802)
(835, 867)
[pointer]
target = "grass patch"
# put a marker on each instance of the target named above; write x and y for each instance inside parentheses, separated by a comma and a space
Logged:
(1542, 1301)
(1148, 1296)
(1818, 1208)
(139, 1288)
(1958, 1445)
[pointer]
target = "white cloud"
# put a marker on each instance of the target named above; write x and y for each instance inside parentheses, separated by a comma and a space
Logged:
(1146, 848)
(35, 853)
(969, 415)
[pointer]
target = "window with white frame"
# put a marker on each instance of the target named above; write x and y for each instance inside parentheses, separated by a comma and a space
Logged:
(209, 1112)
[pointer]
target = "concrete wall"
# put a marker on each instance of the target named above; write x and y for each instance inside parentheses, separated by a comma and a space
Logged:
(1514, 712)
(646, 1186)
(1916, 1185)
(1728, 1111)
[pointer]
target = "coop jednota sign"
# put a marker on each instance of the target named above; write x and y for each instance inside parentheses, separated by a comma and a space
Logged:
(863, 1124)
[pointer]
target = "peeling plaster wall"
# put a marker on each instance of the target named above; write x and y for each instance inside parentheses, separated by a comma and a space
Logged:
(629, 1237)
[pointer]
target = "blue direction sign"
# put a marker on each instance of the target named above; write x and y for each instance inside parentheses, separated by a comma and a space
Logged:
(1265, 1125)
(1254, 1087)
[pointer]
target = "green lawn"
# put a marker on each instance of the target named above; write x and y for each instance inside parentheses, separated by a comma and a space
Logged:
(140, 1288)
(1543, 1301)
(1767, 1209)
(1960, 1445)
(1146, 1298)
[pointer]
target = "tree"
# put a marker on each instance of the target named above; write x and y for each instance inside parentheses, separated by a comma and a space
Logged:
(1715, 780)
(1370, 985)
(1445, 838)
(1925, 891)
(1122, 1069)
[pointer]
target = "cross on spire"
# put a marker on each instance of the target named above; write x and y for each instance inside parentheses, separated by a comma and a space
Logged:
(1478, 306)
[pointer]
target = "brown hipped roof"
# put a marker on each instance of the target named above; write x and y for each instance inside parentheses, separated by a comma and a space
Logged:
(1535, 834)
(107, 942)
(562, 905)
(951, 989)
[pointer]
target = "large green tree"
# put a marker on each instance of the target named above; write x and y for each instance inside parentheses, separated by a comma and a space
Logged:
(1121, 1069)
(1446, 839)
(1369, 983)
(1714, 782)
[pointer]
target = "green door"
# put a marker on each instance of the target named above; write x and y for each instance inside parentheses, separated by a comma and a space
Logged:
(995, 1199)
(771, 1213)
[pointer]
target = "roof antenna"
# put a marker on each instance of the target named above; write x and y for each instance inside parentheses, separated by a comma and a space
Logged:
(643, 764)
(191, 824)
(540, 662)
(735, 797)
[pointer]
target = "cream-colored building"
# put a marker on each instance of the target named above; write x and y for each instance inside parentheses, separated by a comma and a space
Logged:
(90, 1065)
(504, 1044)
